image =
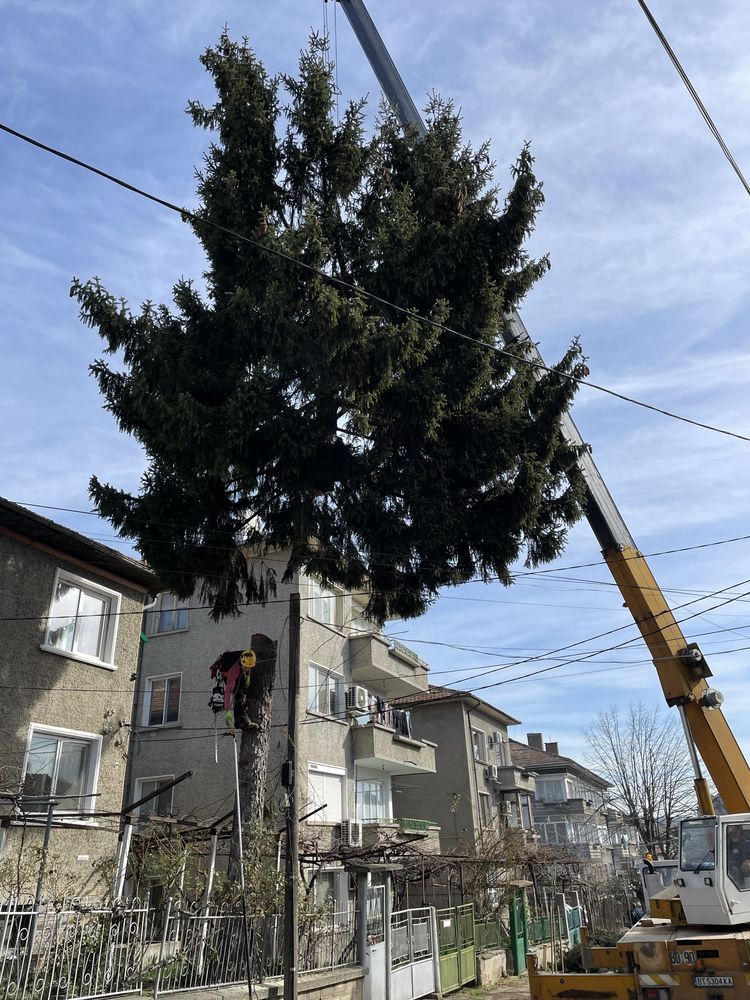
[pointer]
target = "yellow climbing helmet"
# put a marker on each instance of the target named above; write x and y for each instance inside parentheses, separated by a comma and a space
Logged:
(247, 659)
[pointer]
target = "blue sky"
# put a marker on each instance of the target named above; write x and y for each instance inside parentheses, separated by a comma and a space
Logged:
(646, 225)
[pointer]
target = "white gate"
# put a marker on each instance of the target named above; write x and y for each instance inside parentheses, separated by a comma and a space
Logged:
(413, 959)
(374, 960)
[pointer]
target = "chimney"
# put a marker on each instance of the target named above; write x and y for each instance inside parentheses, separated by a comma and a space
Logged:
(553, 748)
(535, 740)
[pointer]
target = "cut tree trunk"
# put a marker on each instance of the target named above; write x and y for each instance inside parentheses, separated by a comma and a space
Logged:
(253, 752)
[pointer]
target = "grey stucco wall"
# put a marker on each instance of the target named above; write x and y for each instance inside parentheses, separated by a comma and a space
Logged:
(450, 796)
(190, 744)
(48, 689)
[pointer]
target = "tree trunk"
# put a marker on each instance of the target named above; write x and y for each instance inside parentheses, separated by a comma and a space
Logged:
(253, 751)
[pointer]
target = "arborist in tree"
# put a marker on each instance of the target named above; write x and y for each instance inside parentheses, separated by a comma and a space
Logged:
(237, 691)
(231, 671)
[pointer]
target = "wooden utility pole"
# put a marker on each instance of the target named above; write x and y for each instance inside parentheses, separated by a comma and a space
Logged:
(291, 924)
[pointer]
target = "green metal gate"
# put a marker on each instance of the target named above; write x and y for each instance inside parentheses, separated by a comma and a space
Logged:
(519, 932)
(456, 947)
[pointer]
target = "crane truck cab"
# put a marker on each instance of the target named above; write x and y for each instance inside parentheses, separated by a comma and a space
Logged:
(712, 880)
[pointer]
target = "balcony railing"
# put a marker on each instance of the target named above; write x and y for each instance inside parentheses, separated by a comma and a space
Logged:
(398, 671)
(405, 651)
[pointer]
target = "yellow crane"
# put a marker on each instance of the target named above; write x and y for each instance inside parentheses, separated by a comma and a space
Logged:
(695, 943)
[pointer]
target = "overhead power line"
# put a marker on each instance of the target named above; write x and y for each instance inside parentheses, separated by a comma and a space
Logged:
(694, 94)
(357, 290)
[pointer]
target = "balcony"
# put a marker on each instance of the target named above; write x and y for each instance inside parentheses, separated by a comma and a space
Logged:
(374, 658)
(513, 779)
(383, 748)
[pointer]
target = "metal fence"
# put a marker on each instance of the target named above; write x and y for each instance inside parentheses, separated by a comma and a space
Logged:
(71, 950)
(539, 930)
(488, 933)
(80, 952)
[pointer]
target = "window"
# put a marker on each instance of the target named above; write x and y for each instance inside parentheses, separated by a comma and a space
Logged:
(325, 692)
(359, 623)
(485, 813)
(372, 801)
(551, 790)
(322, 603)
(82, 620)
(162, 804)
(62, 763)
(331, 889)
(479, 742)
(172, 615)
(327, 787)
(738, 854)
(162, 704)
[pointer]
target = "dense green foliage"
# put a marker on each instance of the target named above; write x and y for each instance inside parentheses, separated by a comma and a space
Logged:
(279, 409)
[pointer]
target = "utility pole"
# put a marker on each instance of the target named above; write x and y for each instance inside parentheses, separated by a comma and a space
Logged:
(289, 778)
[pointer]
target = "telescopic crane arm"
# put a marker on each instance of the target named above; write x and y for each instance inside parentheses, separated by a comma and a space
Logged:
(680, 666)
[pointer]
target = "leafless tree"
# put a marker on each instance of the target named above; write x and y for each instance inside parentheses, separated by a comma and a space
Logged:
(641, 751)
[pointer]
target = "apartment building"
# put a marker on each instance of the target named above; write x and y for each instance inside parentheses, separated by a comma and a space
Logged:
(353, 744)
(573, 808)
(71, 611)
(478, 790)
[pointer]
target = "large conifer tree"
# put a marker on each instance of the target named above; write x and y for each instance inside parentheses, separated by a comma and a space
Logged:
(280, 409)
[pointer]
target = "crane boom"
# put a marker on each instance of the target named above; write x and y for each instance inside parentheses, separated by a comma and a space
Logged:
(680, 666)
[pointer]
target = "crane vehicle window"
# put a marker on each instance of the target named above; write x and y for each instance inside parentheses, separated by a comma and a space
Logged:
(698, 844)
(738, 854)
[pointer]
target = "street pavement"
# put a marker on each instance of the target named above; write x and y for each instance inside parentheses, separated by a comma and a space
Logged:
(512, 988)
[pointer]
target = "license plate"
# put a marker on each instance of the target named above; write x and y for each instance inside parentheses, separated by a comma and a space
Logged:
(713, 981)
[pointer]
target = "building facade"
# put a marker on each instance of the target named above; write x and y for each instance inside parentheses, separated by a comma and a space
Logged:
(71, 612)
(353, 745)
(573, 809)
(478, 790)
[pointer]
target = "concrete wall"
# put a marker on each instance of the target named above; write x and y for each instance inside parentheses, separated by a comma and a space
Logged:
(46, 688)
(447, 797)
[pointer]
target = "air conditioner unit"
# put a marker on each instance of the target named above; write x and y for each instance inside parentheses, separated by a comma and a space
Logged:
(356, 700)
(491, 772)
(351, 833)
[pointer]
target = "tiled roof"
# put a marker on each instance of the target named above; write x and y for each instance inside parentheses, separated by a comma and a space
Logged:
(532, 759)
(437, 693)
(41, 529)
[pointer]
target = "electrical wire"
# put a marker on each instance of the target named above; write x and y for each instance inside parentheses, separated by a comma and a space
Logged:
(521, 574)
(694, 94)
(513, 355)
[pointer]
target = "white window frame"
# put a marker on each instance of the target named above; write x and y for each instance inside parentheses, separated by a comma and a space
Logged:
(321, 818)
(177, 605)
(139, 783)
(324, 603)
(147, 701)
(108, 641)
(480, 753)
(87, 803)
(385, 794)
(542, 792)
(358, 624)
(485, 799)
(316, 686)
